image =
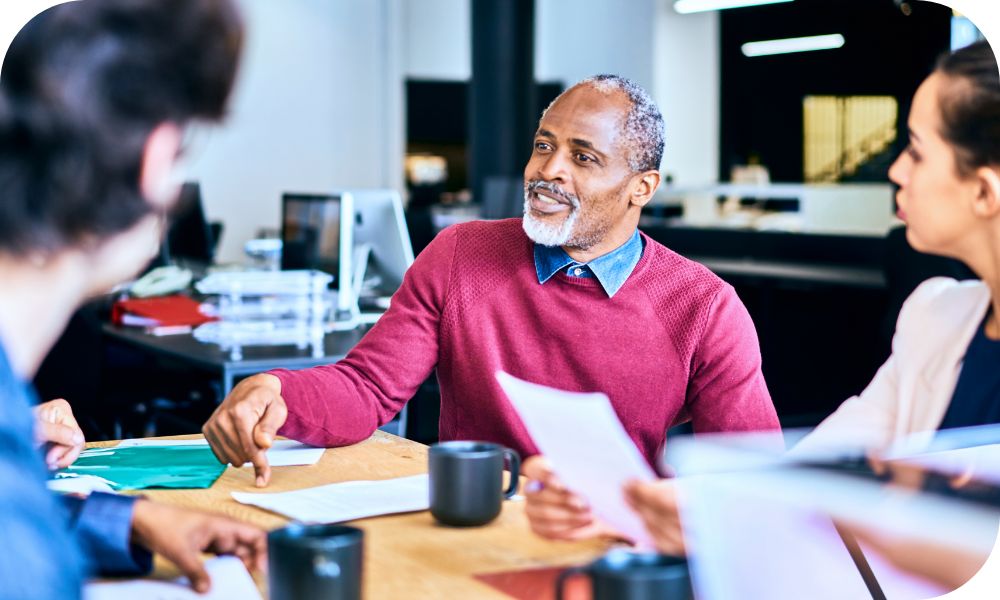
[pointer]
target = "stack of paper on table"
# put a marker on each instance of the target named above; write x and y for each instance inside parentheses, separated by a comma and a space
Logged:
(229, 580)
(142, 467)
(284, 453)
(141, 464)
(345, 501)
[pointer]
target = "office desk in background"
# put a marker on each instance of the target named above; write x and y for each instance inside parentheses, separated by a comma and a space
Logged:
(218, 361)
(406, 556)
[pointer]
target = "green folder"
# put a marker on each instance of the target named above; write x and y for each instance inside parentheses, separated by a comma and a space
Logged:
(142, 467)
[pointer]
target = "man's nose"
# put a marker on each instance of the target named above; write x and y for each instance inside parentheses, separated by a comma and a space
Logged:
(554, 168)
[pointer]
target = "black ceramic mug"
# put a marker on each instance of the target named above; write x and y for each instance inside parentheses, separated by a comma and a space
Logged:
(466, 481)
(621, 575)
(315, 561)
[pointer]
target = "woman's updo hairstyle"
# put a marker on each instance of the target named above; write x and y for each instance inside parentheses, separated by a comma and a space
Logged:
(970, 106)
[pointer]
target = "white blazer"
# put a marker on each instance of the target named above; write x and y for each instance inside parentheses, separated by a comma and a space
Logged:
(912, 390)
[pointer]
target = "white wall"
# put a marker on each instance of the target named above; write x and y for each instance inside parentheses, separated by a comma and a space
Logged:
(578, 38)
(318, 105)
(687, 90)
(437, 38)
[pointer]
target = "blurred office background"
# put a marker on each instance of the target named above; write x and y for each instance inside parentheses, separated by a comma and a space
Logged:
(775, 167)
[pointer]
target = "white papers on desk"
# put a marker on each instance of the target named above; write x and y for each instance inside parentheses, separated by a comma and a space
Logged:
(229, 580)
(75, 483)
(581, 436)
(284, 453)
(345, 501)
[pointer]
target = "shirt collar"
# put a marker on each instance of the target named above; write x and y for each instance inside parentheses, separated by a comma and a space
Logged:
(611, 269)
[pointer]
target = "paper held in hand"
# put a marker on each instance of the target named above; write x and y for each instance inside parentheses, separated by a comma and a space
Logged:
(587, 446)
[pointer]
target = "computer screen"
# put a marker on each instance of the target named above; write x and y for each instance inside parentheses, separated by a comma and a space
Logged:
(380, 229)
(315, 235)
(190, 236)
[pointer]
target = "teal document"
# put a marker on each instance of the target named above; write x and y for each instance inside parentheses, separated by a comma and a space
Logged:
(142, 467)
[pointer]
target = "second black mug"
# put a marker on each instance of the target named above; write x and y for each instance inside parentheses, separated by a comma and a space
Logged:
(466, 481)
(315, 561)
(622, 575)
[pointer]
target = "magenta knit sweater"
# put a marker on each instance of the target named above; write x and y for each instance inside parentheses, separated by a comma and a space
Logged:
(674, 343)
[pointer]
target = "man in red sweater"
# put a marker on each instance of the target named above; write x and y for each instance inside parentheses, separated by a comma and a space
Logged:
(571, 296)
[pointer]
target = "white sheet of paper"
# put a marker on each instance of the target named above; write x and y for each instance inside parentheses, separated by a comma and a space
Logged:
(229, 580)
(748, 546)
(981, 462)
(72, 483)
(284, 453)
(582, 438)
(345, 501)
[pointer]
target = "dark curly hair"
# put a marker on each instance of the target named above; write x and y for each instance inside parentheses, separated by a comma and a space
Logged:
(970, 106)
(82, 87)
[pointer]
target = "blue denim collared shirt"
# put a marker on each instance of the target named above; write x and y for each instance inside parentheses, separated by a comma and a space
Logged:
(611, 270)
(43, 560)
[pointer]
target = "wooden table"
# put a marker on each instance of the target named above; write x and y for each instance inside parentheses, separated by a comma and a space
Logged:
(406, 556)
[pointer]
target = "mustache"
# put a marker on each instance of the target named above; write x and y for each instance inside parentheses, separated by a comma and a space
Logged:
(554, 189)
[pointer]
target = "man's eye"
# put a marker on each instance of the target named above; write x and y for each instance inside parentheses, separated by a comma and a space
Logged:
(541, 146)
(584, 158)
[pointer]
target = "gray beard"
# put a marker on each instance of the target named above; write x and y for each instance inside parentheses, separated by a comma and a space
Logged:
(545, 234)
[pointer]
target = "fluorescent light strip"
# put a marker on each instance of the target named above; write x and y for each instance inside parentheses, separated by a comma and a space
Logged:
(685, 7)
(790, 45)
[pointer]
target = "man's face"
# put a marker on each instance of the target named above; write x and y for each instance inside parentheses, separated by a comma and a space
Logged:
(577, 179)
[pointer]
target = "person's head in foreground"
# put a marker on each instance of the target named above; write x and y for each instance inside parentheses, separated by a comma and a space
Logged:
(594, 164)
(94, 98)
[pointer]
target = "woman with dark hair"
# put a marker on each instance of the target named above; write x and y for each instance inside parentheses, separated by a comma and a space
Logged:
(943, 372)
(94, 96)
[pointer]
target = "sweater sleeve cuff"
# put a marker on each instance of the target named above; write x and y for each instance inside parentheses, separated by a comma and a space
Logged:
(105, 528)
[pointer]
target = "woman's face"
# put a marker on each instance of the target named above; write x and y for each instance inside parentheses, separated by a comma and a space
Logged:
(933, 199)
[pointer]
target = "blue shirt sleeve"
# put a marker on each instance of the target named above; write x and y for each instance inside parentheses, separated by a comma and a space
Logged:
(40, 559)
(103, 525)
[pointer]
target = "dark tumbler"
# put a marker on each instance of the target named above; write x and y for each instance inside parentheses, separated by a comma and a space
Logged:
(623, 575)
(315, 561)
(466, 481)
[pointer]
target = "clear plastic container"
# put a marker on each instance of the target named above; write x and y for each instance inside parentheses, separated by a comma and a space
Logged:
(264, 253)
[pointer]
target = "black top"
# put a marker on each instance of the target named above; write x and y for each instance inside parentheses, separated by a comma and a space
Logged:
(977, 395)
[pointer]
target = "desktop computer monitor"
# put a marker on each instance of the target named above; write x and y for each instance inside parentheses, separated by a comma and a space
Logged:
(381, 242)
(358, 236)
(190, 236)
(317, 233)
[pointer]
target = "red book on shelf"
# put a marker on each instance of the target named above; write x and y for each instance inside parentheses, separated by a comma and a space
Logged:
(166, 311)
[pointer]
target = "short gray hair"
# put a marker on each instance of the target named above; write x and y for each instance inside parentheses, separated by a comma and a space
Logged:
(643, 131)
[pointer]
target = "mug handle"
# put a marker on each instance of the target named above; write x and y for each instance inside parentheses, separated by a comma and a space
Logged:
(565, 576)
(514, 459)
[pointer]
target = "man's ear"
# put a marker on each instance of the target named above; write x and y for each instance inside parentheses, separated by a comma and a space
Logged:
(644, 188)
(156, 180)
(987, 202)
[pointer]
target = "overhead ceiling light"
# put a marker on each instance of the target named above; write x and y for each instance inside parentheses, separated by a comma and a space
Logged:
(790, 45)
(692, 6)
